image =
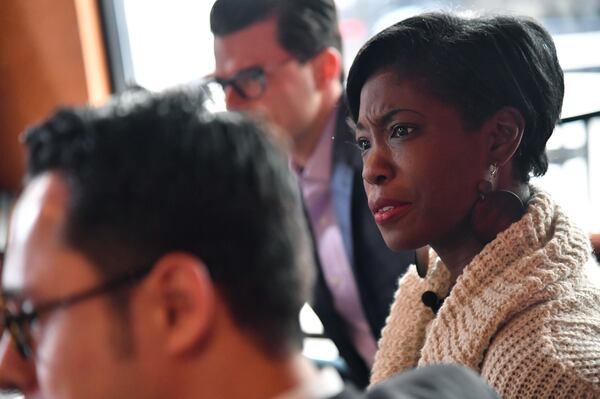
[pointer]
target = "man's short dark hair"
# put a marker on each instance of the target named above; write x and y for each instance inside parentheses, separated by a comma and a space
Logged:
(151, 174)
(304, 27)
(478, 65)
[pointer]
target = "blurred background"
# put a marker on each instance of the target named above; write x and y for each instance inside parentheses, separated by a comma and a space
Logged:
(56, 52)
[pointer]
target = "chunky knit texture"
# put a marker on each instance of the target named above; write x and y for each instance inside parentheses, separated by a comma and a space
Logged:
(524, 313)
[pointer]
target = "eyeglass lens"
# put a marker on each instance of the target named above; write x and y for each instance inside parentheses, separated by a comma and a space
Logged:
(248, 84)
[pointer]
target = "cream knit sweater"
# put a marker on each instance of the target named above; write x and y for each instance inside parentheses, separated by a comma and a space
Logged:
(524, 313)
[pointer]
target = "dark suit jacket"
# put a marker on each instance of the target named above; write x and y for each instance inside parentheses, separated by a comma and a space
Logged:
(445, 381)
(376, 268)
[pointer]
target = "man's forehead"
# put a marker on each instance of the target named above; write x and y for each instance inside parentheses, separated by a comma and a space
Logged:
(43, 203)
(254, 45)
(36, 225)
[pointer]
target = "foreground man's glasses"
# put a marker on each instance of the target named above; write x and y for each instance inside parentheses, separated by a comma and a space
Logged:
(19, 324)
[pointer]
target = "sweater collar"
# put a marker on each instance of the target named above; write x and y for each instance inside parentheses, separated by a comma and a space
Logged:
(524, 265)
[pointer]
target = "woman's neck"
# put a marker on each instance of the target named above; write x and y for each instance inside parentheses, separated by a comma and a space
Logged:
(458, 251)
(461, 245)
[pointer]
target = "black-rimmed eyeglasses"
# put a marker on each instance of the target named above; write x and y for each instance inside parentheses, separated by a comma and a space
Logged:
(19, 324)
(249, 83)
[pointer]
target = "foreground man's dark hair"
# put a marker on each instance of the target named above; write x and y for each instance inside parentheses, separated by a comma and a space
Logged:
(150, 174)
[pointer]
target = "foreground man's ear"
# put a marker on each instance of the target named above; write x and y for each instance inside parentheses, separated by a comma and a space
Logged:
(186, 301)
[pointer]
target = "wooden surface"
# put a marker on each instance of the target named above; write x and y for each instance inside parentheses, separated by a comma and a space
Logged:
(44, 62)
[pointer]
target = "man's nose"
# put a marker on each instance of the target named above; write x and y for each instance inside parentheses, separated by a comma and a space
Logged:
(377, 166)
(233, 100)
(16, 373)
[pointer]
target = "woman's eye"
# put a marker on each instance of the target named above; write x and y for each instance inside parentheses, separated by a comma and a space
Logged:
(363, 144)
(401, 130)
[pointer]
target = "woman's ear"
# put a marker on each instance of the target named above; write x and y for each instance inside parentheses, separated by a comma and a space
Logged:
(327, 66)
(506, 128)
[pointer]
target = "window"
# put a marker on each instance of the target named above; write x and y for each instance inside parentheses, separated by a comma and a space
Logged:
(167, 42)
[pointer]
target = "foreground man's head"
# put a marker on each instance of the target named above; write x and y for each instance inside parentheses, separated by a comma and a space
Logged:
(155, 252)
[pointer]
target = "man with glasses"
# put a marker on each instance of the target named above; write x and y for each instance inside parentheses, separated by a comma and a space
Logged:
(281, 60)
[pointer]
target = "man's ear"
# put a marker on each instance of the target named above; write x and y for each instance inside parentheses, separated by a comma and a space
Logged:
(186, 301)
(505, 129)
(327, 66)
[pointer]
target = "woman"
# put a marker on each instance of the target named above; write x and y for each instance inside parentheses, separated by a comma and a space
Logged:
(452, 116)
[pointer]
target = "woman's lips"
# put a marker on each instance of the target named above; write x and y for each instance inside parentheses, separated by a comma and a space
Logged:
(390, 212)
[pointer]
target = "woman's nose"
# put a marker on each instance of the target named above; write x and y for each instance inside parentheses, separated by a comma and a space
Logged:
(377, 166)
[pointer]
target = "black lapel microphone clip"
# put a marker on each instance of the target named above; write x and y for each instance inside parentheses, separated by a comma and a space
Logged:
(432, 301)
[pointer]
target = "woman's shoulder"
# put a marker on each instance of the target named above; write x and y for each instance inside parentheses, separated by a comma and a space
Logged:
(550, 348)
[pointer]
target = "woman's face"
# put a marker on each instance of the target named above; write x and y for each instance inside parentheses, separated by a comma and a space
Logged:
(421, 167)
